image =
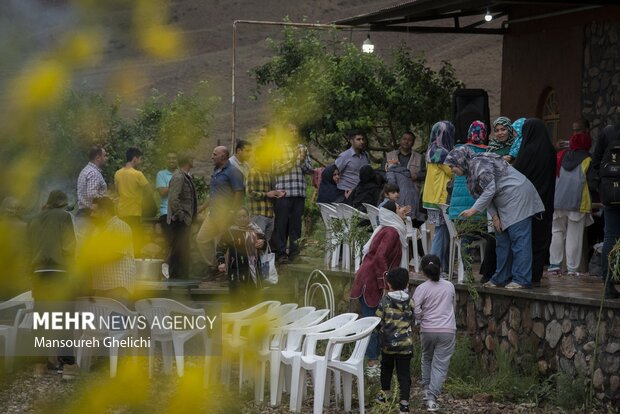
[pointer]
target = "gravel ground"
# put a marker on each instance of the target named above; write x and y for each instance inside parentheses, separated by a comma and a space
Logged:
(23, 393)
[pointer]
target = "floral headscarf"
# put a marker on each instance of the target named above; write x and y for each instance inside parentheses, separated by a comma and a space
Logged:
(440, 142)
(477, 133)
(480, 169)
(495, 144)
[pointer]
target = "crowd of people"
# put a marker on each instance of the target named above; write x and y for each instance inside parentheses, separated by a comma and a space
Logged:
(538, 200)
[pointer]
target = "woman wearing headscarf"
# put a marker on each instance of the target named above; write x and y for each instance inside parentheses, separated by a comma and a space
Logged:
(537, 161)
(503, 136)
(511, 200)
(367, 191)
(242, 243)
(517, 126)
(461, 199)
(328, 190)
(572, 204)
(384, 251)
(438, 176)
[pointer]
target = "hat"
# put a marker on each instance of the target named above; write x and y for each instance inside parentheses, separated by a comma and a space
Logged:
(57, 199)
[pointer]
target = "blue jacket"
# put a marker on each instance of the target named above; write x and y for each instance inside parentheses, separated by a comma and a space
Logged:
(461, 200)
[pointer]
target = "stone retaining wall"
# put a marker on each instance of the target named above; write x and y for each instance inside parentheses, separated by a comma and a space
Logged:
(562, 335)
(601, 74)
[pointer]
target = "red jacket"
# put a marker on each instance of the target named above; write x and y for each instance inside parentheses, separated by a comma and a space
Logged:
(383, 255)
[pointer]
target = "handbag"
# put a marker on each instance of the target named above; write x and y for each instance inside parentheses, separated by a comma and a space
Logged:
(268, 266)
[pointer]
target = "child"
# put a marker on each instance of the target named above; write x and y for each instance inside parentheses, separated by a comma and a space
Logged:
(434, 308)
(396, 313)
(391, 192)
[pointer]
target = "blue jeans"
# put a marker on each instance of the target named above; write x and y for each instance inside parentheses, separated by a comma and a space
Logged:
(514, 254)
(441, 246)
(612, 233)
(372, 352)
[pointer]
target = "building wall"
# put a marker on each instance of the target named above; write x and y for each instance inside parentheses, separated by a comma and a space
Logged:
(552, 53)
(535, 62)
(601, 76)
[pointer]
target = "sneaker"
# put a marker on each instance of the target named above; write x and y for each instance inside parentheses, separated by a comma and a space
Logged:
(513, 285)
(425, 395)
(381, 397)
(69, 372)
(553, 268)
(404, 407)
(165, 270)
(489, 284)
(573, 273)
(431, 405)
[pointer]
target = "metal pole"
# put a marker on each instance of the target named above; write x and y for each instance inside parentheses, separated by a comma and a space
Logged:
(233, 137)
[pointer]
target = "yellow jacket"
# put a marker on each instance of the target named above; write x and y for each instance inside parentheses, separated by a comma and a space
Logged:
(436, 185)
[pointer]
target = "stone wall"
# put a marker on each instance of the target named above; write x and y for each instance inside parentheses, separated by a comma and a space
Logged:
(601, 73)
(561, 335)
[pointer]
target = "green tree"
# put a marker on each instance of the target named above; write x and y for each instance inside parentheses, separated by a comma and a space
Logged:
(329, 87)
(159, 125)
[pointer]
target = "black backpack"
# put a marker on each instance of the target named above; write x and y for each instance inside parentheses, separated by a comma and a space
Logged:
(609, 172)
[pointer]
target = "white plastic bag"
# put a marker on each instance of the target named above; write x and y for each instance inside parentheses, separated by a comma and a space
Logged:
(268, 266)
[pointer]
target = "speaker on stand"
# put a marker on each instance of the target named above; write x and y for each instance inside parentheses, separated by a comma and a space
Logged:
(470, 105)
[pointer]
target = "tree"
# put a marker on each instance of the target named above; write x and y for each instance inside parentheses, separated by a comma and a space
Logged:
(329, 87)
(160, 125)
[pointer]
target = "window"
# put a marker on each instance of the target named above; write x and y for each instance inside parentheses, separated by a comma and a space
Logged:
(551, 115)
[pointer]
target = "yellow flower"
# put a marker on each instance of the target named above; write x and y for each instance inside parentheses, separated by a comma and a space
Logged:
(162, 42)
(40, 86)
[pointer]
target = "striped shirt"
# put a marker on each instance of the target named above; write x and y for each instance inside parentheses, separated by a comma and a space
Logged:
(90, 185)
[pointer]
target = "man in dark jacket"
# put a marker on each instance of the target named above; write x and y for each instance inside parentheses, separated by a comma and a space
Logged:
(182, 206)
(611, 214)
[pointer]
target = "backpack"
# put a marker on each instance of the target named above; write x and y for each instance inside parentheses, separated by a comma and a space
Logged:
(609, 172)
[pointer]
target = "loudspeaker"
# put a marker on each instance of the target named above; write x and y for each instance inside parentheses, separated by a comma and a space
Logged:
(470, 105)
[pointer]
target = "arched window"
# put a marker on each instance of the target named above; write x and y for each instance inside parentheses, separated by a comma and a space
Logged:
(551, 115)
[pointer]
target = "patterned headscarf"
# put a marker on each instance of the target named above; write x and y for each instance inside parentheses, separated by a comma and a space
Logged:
(480, 169)
(518, 128)
(440, 142)
(477, 133)
(495, 144)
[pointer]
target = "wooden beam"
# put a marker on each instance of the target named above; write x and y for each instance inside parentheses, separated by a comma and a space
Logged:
(429, 29)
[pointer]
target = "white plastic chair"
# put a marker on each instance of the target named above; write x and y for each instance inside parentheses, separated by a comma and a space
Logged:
(425, 236)
(354, 365)
(291, 349)
(269, 348)
(159, 308)
(412, 237)
(345, 213)
(373, 214)
(104, 308)
(455, 246)
(359, 332)
(24, 305)
(239, 341)
(332, 251)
